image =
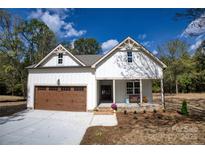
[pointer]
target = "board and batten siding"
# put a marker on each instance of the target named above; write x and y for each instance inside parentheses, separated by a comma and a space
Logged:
(121, 90)
(67, 77)
(147, 89)
(53, 61)
(117, 67)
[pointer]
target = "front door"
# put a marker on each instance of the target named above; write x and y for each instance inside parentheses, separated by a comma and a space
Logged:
(106, 93)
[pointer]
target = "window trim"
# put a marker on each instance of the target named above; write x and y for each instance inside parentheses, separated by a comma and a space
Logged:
(60, 58)
(133, 87)
(129, 57)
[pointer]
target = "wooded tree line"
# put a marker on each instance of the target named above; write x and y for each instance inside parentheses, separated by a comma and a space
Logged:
(26, 42)
(184, 72)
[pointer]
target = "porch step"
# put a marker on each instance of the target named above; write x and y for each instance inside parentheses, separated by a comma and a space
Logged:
(103, 111)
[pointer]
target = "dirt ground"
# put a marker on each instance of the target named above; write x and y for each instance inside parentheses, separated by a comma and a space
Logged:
(156, 128)
(173, 102)
(149, 128)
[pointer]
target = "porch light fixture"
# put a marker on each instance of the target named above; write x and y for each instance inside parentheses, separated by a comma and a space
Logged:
(58, 82)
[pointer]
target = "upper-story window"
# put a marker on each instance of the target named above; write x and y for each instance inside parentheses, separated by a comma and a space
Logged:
(129, 56)
(60, 58)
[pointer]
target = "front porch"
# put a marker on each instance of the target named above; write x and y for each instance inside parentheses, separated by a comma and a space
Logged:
(133, 106)
(130, 94)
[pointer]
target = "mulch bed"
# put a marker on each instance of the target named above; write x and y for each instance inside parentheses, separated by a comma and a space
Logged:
(149, 128)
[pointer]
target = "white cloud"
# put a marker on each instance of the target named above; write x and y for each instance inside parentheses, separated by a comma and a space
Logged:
(70, 31)
(72, 43)
(195, 28)
(155, 52)
(142, 36)
(197, 42)
(109, 44)
(147, 43)
(195, 45)
(55, 20)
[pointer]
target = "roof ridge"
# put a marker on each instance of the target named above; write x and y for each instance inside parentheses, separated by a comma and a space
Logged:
(89, 55)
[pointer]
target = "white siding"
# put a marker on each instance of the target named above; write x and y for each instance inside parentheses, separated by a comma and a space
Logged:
(147, 89)
(117, 67)
(121, 90)
(67, 77)
(53, 61)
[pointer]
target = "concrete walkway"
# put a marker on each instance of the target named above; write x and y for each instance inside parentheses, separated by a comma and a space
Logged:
(49, 127)
(104, 120)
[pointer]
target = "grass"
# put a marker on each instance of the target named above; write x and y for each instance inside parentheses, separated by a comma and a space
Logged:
(11, 104)
(7, 98)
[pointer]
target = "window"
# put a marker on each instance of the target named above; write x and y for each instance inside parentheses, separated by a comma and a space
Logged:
(53, 88)
(65, 88)
(133, 87)
(60, 58)
(129, 56)
(42, 88)
(129, 87)
(78, 88)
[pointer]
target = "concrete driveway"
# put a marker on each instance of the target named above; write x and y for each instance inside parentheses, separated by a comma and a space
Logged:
(49, 127)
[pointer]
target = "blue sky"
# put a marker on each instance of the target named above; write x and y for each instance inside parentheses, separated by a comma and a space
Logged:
(150, 27)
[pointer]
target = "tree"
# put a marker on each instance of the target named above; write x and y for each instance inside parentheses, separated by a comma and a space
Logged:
(173, 54)
(11, 48)
(39, 39)
(86, 46)
(199, 61)
(67, 45)
(21, 43)
(190, 14)
(196, 19)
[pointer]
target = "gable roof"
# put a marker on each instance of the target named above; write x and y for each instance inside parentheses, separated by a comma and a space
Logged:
(88, 60)
(94, 60)
(60, 47)
(139, 46)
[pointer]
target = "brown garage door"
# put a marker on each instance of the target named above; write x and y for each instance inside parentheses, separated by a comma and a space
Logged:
(60, 98)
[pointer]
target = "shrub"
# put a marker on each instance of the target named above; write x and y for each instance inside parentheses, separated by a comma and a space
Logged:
(155, 111)
(144, 111)
(95, 109)
(184, 109)
(98, 133)
(135, 112)
(145, 99)
(114, 106)
(135, 118)
(125, 111)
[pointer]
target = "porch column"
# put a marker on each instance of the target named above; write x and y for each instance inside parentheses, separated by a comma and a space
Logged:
(140, 91)
(96, 93)
(162, 92)
(113, 87)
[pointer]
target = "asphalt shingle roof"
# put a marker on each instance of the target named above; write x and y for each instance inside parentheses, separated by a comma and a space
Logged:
(88, 60)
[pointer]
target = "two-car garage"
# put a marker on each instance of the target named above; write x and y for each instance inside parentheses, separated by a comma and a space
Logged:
(62, 98)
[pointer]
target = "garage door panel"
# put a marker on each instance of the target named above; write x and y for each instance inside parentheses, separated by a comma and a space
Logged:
(60, 98)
